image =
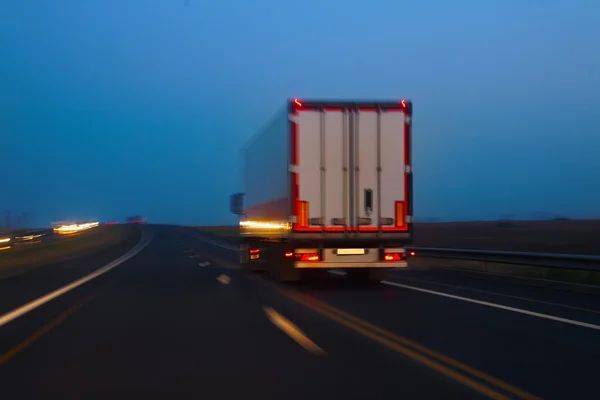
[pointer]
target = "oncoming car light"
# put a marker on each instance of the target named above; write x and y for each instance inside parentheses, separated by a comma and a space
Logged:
(73, 228)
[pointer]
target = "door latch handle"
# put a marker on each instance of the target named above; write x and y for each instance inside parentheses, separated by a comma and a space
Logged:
(368, 201)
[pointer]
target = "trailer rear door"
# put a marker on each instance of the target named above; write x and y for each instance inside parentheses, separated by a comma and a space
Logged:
(350, 168)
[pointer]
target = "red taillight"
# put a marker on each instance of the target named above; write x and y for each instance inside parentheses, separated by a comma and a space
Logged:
(254, 254)
(297, 102)
(412, 253)
(308, 256)
(403, 102)
(254, 251)
(394, 256)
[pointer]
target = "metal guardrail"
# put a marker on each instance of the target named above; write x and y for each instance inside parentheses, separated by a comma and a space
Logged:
(547, 260)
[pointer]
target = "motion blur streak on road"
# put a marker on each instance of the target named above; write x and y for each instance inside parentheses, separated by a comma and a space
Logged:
(177, 320)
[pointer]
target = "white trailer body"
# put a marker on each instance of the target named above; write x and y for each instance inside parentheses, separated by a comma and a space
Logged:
(345, 199)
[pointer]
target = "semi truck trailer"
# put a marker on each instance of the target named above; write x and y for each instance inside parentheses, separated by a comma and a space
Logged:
(328, 186)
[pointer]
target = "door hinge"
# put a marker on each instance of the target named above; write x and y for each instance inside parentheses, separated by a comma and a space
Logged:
(293, 168)
(407, 169)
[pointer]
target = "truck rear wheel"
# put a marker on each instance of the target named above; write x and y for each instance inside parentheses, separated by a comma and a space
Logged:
(280, 268)
(244, 255)
(284, 271)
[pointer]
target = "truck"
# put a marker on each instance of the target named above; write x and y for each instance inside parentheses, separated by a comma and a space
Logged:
(328, 186)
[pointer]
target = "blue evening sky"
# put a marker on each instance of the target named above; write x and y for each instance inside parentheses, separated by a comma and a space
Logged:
(112, 108)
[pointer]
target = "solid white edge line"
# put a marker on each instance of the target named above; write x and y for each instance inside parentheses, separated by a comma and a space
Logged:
(17, 312)
(485, 303)
(517, 277)
(498, 294)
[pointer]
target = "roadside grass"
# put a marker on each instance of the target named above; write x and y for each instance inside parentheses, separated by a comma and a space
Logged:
(526, 271)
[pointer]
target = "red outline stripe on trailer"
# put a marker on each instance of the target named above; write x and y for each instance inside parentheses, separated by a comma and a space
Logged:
(296, 108)
(404, 226)
(294, 158)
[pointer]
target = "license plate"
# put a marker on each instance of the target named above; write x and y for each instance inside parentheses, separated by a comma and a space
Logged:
(349, 252)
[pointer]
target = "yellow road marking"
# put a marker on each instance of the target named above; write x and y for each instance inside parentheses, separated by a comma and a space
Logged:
(402, 345)
(457, 364)
(44, 329)
(293, 331)
(403, 350)
(396, 342)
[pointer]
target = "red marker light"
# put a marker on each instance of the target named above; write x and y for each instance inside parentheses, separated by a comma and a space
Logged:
(403, 103)
(298, 103)
(392, 257)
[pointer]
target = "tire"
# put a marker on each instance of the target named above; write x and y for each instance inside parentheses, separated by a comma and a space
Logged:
(281, 269)
(244, 255)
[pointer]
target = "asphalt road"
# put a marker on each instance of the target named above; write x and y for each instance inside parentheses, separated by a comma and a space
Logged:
(178, 320)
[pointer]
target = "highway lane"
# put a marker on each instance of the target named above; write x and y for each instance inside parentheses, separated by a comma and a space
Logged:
(180, 320)
(162, 325)
(549, 358)
(566, 300)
